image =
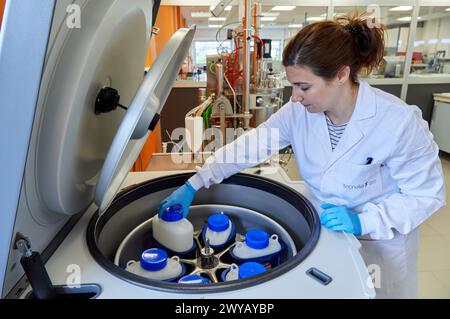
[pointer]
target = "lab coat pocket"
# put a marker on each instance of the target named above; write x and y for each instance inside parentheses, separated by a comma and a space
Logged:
(359, 183)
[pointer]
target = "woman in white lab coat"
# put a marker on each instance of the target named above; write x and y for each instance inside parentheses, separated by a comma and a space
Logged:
(368, 156)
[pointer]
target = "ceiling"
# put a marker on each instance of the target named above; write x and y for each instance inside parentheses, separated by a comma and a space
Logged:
(302, 13)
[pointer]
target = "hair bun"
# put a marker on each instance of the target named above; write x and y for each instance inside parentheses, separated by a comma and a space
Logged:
(351, 28)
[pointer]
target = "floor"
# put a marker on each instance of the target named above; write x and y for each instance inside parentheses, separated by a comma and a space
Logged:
(434, 251)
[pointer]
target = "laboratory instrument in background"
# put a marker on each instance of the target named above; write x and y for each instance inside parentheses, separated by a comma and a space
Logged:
(244, 87)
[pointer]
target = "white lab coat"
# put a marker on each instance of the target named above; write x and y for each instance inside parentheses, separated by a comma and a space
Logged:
(393, 195)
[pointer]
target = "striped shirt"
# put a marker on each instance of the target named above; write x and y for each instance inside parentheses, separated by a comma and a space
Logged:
(335, 131)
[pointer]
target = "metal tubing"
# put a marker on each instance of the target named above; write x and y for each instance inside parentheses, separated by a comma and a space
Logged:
(246, 64)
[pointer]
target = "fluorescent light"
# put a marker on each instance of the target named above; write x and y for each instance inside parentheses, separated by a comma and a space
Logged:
(271, 14)
(262, 25)
(446, 40)
(200, 14)
(401, 8)
(268, 18)
(227, 8)
(407, 19)
(419, 43)
(283, 8)
(448, 9)
(214, 25)
(217, 19)
(295, 25)
(315, 19)
(433, 41)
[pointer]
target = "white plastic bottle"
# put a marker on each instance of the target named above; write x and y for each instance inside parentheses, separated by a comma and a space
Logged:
(218, 229)
(257, 244)
(155, 264)
(173, 231)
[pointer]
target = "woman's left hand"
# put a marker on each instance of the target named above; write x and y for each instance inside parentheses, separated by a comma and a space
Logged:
(340, 218)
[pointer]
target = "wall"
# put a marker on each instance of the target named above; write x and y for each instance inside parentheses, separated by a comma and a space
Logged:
(169, 20)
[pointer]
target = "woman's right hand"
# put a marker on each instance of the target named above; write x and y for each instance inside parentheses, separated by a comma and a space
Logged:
(182, 196)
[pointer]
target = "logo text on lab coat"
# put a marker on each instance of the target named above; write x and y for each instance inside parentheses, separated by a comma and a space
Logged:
(359, 186)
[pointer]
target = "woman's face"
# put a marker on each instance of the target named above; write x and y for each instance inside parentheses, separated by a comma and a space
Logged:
(312, 91)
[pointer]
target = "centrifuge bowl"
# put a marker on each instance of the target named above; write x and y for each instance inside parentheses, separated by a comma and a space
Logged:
(278, 204)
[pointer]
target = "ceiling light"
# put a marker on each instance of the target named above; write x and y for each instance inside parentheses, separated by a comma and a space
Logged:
(448, 9)
(401, 8)
(407, 19)
(271, 14)
(312, 19)
(295, 25)
(214, 25)
(200, 14)
(217, 19)
(268, 18)
(283, 8)
(227, 8)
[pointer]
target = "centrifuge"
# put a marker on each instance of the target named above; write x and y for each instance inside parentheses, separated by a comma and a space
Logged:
(81, 108)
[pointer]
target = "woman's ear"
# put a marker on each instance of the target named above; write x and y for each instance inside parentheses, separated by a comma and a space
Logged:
(343, 74)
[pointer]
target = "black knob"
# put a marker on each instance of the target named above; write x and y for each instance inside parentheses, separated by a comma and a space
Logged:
(107, 100)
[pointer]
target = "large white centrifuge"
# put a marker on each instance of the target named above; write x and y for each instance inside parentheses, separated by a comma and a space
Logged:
(70, 148)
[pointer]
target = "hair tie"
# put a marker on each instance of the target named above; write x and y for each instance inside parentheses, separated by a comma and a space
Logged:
(351, 28)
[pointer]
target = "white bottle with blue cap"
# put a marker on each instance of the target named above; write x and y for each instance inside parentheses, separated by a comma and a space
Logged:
(257, 244)
(219, 230)
(173, 231)
(155, 264)
(194, 279)
(246, 270)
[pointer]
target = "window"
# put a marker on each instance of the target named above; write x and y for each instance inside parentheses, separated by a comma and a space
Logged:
(277, 49)
(204, 48)
(431, 53)
(395, 20)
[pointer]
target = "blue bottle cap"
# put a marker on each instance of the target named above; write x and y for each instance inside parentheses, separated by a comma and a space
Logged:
(218, 222)
(193, 279)
(173, 213)
(257, 239)
(250, 269)
(154, 259)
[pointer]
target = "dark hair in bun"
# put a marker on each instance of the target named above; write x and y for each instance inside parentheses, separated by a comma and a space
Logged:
(326, 46)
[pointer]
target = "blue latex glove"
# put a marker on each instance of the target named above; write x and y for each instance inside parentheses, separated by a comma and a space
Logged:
(182, 196)
(339, 218)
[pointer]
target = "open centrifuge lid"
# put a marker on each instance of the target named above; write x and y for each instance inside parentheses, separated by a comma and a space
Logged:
(141, 117)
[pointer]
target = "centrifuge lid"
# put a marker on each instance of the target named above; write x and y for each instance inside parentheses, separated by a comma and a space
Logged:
(141, 117)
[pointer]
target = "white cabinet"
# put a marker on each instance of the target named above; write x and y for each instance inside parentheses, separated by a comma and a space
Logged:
(440, 123)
